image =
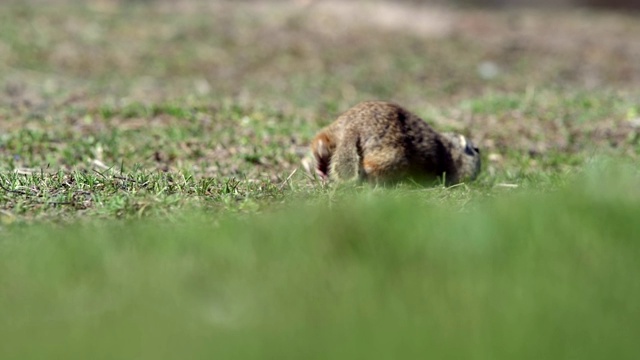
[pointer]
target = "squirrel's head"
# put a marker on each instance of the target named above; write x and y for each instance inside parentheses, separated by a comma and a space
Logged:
(466, 157)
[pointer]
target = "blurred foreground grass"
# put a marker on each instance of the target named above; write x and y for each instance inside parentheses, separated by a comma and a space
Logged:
(381, 274)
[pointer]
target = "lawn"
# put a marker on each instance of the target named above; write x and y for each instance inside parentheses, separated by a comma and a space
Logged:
(382, 274)
(152, 203)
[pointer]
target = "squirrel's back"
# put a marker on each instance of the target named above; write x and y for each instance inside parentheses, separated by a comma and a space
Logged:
(382, 141)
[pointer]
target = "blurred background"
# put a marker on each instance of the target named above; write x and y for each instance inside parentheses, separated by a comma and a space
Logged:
(530, 78)
(611, 4)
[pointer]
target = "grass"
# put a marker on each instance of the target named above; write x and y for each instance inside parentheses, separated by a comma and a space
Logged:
(137, 159)
(152, 204)
(377, 275)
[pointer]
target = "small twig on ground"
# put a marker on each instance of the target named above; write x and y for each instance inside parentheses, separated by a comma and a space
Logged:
(458, 185)
(13, 191)
(99, 173)
(25, 171)
(55, 203)
(100, 164)
(506, 185)
(286, 181)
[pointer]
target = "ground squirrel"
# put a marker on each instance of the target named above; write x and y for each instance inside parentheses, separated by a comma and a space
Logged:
(381, 142)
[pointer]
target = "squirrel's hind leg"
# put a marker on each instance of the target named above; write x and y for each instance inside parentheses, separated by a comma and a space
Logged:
(346, 162)
(384, 166)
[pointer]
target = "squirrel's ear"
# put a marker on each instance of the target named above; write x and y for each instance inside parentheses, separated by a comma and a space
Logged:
(463, 141)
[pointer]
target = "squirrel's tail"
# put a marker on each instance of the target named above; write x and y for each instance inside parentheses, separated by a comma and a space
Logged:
(321, 147)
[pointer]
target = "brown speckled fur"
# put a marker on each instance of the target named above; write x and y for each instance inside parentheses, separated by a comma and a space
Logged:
(382, 142)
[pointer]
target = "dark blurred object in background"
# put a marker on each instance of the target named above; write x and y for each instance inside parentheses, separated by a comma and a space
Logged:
(616, 4)
(602, 4)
